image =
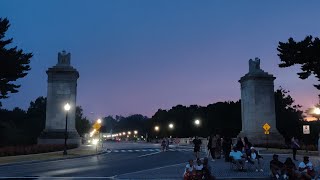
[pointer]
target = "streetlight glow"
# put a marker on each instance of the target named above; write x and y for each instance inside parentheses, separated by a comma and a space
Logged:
(171, 126)
(123, 133)
(316, 111)
(197, 122)
(67, 107)
(99, 121)
(135, 132)
(156, 128)
(129, 132)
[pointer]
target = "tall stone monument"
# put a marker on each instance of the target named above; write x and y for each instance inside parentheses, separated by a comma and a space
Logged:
(62, 89)
(257, 105)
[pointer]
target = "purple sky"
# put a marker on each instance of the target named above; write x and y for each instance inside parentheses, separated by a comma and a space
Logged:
(136, 56)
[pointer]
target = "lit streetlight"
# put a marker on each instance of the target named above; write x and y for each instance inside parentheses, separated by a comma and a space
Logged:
(67, 107)
(123, 133)
(135, 132)
(99, 121)
(316, 111)
(156, 128)
(129, 132)
(197, 122)
(171, 126)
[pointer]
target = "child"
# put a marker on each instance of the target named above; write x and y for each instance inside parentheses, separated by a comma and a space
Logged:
(188, 172)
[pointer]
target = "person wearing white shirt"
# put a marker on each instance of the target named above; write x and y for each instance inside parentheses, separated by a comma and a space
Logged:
(188, 172)
(256, 159)
(306, 168)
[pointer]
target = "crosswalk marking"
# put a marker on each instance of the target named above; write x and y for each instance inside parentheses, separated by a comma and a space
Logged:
(146, 150)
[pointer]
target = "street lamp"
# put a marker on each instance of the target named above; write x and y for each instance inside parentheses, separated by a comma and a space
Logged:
(99, 121)
(156, 128)
(171, 126)
(197, 122)
(66, 108)
(135, 132)
(316, 111)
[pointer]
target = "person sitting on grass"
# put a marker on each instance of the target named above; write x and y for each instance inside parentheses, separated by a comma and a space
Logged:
(238, 158)
(306, 169)
(189, 170)
(276, 167)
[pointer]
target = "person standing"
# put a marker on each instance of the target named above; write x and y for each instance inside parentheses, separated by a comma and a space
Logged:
(295, 146)
(218, 146)
(226, 147)
(197, 144)
(213, 147)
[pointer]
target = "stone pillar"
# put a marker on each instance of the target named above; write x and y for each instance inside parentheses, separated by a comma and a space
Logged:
(62, 89)
(257, 105)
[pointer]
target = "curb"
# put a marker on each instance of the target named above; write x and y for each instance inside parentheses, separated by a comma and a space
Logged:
(57, 159)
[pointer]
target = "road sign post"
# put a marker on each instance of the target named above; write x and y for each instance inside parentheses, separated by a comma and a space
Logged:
(306, 131)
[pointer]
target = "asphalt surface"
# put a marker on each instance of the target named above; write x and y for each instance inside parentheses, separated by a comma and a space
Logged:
(108, 165)
(127, 161)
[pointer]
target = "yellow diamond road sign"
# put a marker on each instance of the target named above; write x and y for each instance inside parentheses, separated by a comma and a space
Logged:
(266, 126)
(97, 126)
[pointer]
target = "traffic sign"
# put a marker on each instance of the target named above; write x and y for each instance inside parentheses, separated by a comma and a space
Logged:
(266, 126)
(266, 132)
(306, 129)
(97, 126)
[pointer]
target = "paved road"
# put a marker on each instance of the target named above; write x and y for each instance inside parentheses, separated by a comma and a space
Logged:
(126, 161)
(111, 164)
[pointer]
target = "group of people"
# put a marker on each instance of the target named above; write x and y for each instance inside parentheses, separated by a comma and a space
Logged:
(243, 152)
(288, 169)
(198, 170)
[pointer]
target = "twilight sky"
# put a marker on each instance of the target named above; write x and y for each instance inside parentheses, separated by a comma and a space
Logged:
(136, 56)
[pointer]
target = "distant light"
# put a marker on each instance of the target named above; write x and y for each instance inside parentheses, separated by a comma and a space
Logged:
(123, 133)
(156, 128)
(316, 111)
(129, 132)
(67, 107)
(135, 132)
(95, 141)
(99, 121)
(197, 122)
(171, 126)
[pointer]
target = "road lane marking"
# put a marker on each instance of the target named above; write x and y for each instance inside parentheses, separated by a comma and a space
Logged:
(148, 154)
(130, 150)
(137, 150)
(123, 150)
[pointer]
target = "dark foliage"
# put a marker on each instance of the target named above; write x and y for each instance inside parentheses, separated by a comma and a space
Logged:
(305, 53)
(14, 63)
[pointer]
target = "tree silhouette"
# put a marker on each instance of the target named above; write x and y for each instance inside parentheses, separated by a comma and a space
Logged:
(305, 53)
(14, 63)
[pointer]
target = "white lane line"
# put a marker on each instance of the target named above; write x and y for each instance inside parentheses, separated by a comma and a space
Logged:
(151, 150)
(130, 150)
(123, 150)
(137, 150)
(116, 151)
(150, 169)
(149, 154)
(144, 150)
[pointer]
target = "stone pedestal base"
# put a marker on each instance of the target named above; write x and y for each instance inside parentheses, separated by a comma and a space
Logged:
(57, 137)
(259, 138)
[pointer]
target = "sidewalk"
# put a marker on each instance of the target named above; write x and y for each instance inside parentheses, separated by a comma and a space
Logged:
(83, 150)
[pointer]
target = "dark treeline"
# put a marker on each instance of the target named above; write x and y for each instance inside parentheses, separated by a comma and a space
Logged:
(20, 127)
(23, 127)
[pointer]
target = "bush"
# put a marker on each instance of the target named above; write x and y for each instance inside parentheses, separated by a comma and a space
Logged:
(33, 149)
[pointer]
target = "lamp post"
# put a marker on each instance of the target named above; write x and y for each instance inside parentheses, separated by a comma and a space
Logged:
(66, 108)
(197, 122)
